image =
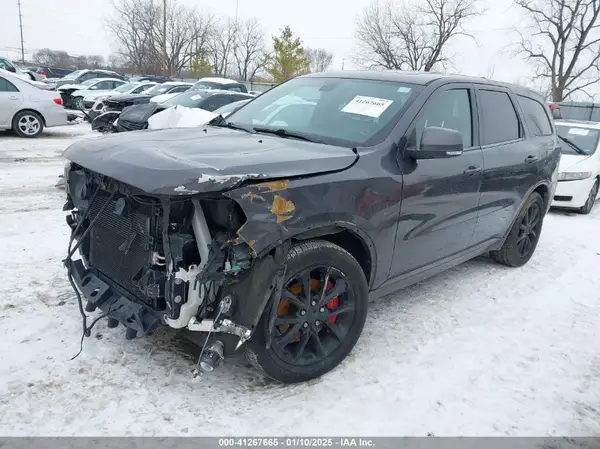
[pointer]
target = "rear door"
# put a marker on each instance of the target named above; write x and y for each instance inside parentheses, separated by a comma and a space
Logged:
(10, 100)
(440, 196)
(510, 161)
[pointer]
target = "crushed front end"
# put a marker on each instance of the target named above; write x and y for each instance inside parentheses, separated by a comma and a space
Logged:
(149, 261)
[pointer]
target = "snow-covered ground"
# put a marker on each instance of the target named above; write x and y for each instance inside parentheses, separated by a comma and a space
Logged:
(479, 350)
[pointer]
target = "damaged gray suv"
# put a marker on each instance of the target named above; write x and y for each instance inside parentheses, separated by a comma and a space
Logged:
(268, 231)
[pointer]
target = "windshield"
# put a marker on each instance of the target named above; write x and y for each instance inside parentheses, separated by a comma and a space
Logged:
(125, 87)
(160, 89)
(337, 111)
(228, 108)
(89, 82)
(73, 75)
(187, 99)
(584, 138)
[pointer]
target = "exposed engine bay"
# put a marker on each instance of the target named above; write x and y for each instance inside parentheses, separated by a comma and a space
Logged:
(148, 261)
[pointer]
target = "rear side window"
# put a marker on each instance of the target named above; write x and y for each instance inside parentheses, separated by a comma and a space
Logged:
(7, 86)
(536, 117)
(500, 121)
(215, 102)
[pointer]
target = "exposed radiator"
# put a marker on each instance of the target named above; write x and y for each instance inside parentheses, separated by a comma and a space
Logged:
(121, 245)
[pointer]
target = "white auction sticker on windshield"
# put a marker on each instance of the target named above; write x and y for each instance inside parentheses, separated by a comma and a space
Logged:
(369, 106)
(579, 131)
(196, 97)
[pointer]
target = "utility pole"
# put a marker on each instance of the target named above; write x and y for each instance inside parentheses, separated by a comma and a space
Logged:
(343, 60)
(21, 27)
(237, 5)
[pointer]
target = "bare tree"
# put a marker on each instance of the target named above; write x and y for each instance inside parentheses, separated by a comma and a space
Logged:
(222, 46)
(249, 50)
(320, 59)
(410, 36)
(564, 43)
(153, 42)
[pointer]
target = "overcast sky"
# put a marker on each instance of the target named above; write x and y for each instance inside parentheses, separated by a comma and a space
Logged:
(77, 27)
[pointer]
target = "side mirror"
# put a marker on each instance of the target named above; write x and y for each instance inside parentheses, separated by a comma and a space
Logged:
(11, 68)
(437, 143)
(93, 87)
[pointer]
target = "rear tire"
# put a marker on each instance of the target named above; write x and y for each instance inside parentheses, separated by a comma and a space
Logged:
(589, 204)
(28, 124)
(78, 103)
(523, 238)
(321, 329)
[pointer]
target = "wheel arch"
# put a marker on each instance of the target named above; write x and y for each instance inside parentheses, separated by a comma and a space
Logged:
(28, 110)
(544, 190)
(350, 238)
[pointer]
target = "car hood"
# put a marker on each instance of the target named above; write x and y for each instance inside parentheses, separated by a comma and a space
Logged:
(569, 161)
(71, 87)
(163, 97)
(184, 161)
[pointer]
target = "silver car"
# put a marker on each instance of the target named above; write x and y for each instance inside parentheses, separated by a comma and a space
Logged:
(27, 109)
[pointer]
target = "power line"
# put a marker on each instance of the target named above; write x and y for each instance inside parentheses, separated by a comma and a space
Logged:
(21, 28)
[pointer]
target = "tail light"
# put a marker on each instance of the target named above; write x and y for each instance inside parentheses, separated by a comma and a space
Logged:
(44, 73)
(58, 101)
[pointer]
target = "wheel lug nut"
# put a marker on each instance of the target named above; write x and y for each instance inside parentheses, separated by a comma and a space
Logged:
(322, 309)
(317, 322)
(305, 325)
(303, 312)
(313, 303)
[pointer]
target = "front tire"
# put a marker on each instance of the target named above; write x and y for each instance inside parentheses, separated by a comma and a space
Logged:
(319, 317)
(589, 204)
(28, 124)
(523, 238)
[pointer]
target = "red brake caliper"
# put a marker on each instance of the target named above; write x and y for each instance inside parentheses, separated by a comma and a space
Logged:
(333, 304)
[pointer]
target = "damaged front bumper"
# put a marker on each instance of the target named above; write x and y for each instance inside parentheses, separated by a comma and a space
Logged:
(138, 266)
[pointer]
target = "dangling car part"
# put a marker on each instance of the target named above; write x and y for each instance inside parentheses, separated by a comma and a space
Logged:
(105, 122)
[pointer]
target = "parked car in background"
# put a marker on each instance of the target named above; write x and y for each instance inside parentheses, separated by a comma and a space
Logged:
(113, 106)
(220, 84)
(155, 78)
(230, 108)
(136, 117)
(27, 109)
(79, 76)
(171, 92)
(72, 94)
(579, 170)
(53, 72)
(93, 101)
(273, 234)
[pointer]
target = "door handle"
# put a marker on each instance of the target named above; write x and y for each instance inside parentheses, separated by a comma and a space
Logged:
(13, 98)
(531, 158)
(472, 170)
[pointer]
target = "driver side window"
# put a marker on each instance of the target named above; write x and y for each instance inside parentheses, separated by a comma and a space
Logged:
(448, 109)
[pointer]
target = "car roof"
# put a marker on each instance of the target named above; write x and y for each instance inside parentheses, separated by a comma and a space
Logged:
(219, 80)
(107, 79)
(176, 83)
(578, 123)
(420, 78)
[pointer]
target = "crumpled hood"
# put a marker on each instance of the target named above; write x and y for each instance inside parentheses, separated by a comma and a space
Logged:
(192, 160)
(569, 161)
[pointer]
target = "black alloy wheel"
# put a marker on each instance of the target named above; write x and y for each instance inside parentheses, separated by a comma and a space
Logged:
(529, 230)
(317, 319)
(522, 240)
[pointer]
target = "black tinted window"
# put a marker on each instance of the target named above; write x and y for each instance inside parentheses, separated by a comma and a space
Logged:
(536, 117)
(448, 109)
(7, 86)
(215, 102)
(500, 121)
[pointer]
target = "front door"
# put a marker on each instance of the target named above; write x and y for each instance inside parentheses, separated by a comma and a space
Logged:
(439, 196)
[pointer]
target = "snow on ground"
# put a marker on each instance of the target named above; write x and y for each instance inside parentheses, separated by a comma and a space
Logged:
(479, 350)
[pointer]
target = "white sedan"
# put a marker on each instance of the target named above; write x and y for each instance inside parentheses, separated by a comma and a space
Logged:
(579, 169)
(27, 109)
